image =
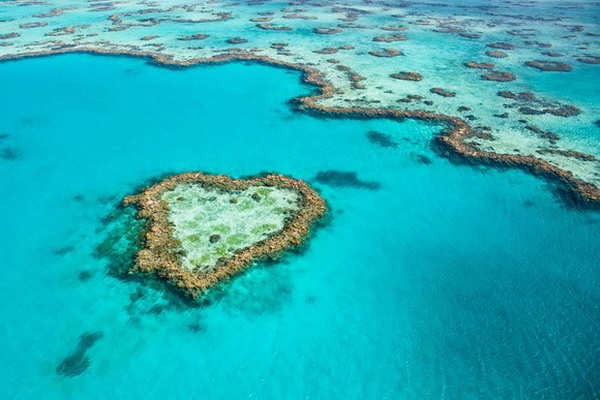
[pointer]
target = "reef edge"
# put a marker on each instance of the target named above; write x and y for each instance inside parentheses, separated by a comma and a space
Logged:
(450, 141)
(160, 256)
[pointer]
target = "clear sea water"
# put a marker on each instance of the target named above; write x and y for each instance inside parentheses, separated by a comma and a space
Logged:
(447, 282)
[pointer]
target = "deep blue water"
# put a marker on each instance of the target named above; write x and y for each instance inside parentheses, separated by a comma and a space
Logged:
(446, 282)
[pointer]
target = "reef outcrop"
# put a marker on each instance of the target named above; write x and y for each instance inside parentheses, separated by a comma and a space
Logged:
(546, 65)
(169, 255)
(442, 92)
(499, 76)
(595, 60)
(386, 53)
(481, 65)
(496, 54)
(502, 46)
(407, 76)
(236, 40)
(451, 142)
(196, 36)
(390, 38)
(326, 31)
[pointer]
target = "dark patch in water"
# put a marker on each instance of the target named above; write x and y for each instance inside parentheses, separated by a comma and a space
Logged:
(291, 117)
(196, 327)
(156, 310)
(62, 251)
(4, 136)
(422, 159)
(137, 295)
(73, 365)
(130, 309)
(381, 139)
(9, 154)
(597, 123)
(79, 198)
(132, 71)
(337, 178)
(78, 362)
(569, 199)
(310, 299)
(110, 217)
(88, 339)
(85, 275)
(122, 241)
(409, 140)
(528, 203)
(106, 199)
(30, 120)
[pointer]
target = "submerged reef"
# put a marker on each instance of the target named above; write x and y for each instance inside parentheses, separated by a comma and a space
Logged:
(386, 53)
(545, 65)
(499, 76)
(203, 229)
(346, 179)
(78, 362)
(381, 139)
(407, 76)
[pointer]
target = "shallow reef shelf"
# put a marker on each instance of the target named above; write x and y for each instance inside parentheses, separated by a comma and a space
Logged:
(202, 229)
(454, 142)
(517, 89)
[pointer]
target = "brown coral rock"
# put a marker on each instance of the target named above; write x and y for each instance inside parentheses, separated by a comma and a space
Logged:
(545, 65)
(386, 53)
(391, 38)
(407, 76)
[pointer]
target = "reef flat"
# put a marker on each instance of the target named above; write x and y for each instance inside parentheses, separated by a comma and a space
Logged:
(358, 52)
(205, 228)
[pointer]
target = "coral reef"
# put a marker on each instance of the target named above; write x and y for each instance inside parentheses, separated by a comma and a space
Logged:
(546, 65)
(78, 362)
(407, 76)
(344, 179)
(326, 31)
(381, 139)
(390, 38)
(568, 153)
(499, 76)
(33, 25)
(11, 35)
(481, 65)
(196, 36)
(442, 92)
(173, 207)
(496, 54)
(590, 60)
(236, 40)
(386, 53)
(502, 46)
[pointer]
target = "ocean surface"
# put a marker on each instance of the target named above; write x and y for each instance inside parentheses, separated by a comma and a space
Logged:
(429, 281)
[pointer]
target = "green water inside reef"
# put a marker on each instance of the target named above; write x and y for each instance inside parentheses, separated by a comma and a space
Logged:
(439, 281)
(211, 224)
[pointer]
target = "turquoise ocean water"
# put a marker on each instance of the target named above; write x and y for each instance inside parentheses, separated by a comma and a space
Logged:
(446, 282)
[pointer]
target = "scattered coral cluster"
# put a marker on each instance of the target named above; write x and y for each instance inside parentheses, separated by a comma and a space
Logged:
(366, 57)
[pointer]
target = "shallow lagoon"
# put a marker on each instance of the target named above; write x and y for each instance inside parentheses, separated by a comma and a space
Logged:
(447, 281)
